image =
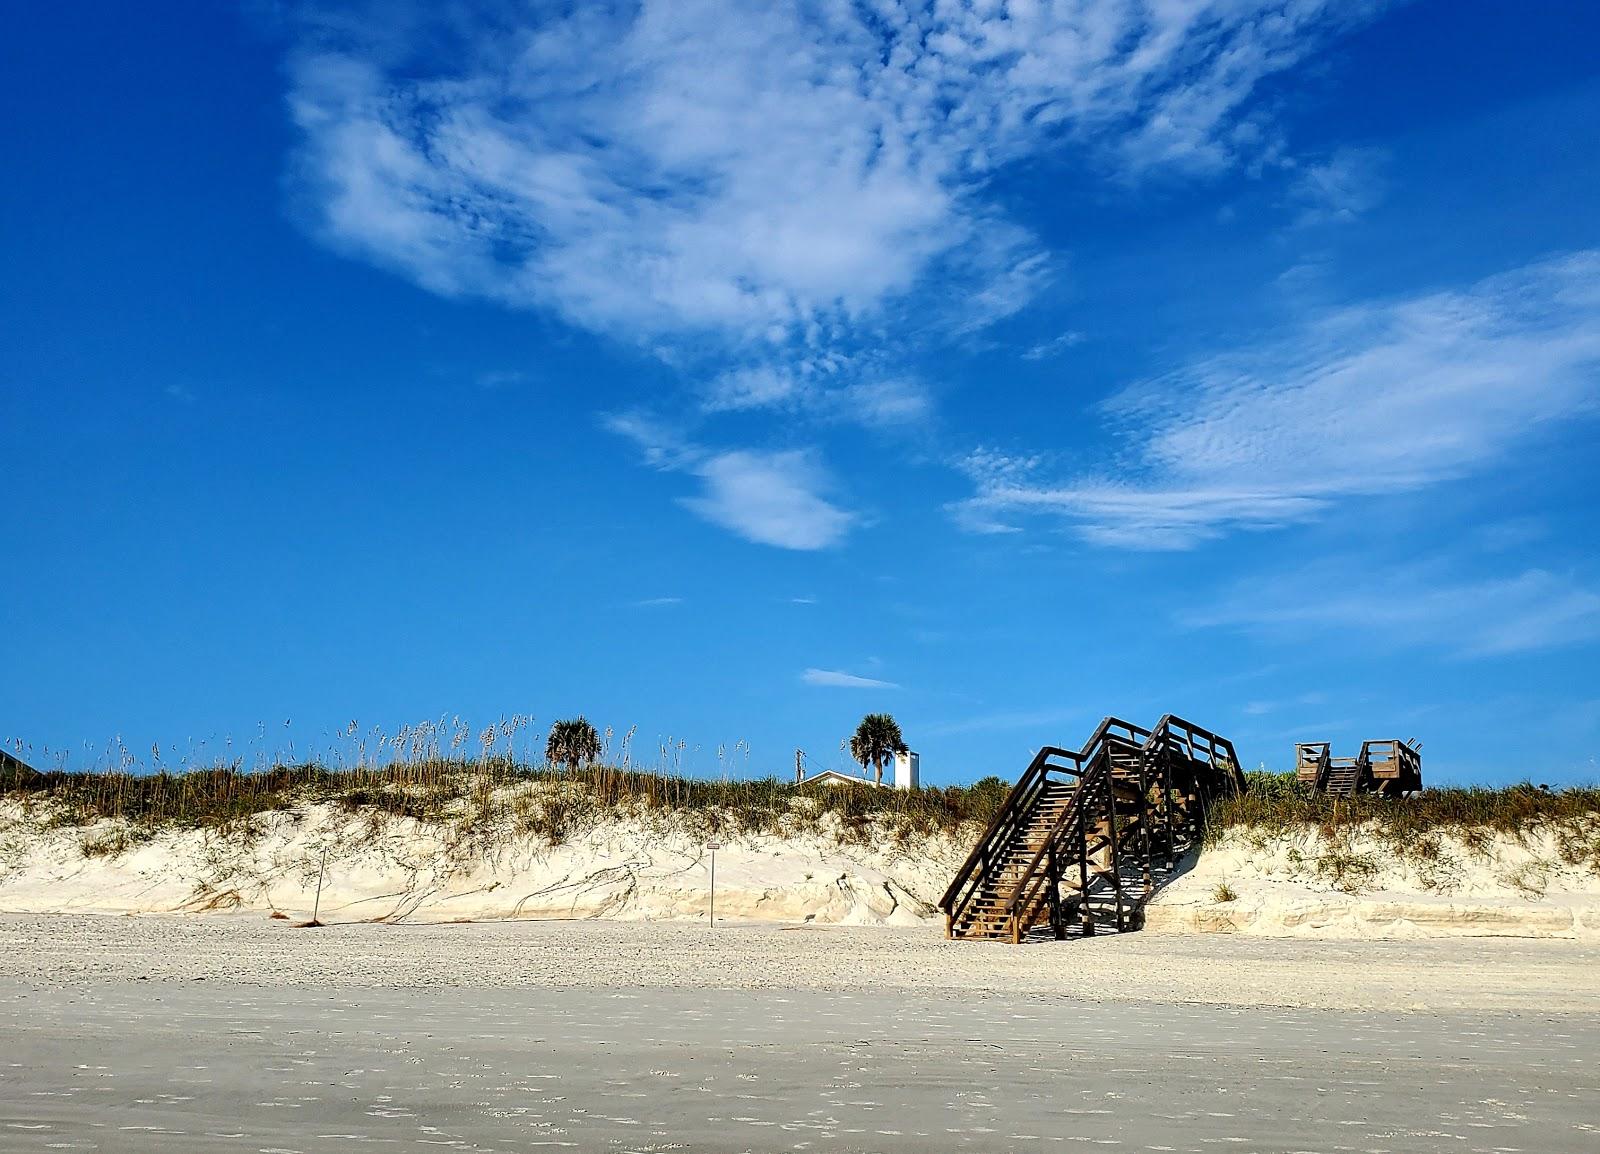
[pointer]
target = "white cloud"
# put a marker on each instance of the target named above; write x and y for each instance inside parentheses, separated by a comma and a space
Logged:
(758, 387)
(839, 679)
(501, 378)
(883, 404)
(870, 401)
(1414, 606)
(761, 172)
(771, 498)
(1365, 401)
(663, 446)
(1341, 188)
(658, 602)
(1050, 719)
(1054, 346)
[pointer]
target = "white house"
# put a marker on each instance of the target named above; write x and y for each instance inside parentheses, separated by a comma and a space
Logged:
(905, 775)
(905, 770)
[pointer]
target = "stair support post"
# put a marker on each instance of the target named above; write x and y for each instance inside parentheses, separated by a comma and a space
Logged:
(1082, 843)
(1144, 828)
(1166, 812)
(1116, 848)
(1056, 924)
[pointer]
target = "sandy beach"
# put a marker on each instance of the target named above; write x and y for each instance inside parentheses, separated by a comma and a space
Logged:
(240, 1033)
(73, 951)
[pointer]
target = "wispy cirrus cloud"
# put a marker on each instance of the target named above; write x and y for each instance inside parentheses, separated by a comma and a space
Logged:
(767, 497)
(839, 679)
(1416, 606)
(874, 402)
(778, 199)
(1003, 721)
(756, 170)
(1054, 346)
(1363, 401)
(1340, 188)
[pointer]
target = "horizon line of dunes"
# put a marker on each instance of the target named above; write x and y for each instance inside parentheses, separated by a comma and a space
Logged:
(422, 784)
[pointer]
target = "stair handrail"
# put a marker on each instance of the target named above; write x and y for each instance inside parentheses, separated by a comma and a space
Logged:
(1097, 762)
(1017, 802)
(954, 901)
(1097, 769)
(1214, 743)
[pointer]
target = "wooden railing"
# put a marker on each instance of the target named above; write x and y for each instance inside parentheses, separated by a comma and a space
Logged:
(1091, 771)
(1002, 828)
(1019, 805)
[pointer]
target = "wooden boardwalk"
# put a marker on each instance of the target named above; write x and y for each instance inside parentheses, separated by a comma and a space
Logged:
(1388, 766)
(1086, 837)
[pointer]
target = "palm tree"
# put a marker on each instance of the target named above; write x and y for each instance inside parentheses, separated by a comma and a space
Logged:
(877, 739)
(572, 743)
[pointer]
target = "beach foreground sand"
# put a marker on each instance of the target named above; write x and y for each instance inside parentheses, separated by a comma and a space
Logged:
(79, 951)
(240, 1033)
(166, 1034)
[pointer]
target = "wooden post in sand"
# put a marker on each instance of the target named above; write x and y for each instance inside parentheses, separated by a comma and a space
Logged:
(316, 904)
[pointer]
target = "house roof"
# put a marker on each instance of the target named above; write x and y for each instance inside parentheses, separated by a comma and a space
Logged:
(831, 776)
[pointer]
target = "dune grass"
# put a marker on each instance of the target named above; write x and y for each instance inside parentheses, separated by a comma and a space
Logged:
(1277, 801)
(1411, 829)
(486, 794)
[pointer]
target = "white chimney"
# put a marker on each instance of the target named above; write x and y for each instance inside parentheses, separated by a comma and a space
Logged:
(905, 770)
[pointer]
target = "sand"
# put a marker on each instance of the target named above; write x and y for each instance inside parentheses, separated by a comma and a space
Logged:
(380, 867)
(497, 993)
(248, 949)
(1303, 885)
(238, 1033)
(384, 868)
(302, 1072)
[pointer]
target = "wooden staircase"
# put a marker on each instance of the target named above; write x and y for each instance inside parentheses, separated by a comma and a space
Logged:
(1389, 766)
(1342, 776)
(988, 914)
(1089, 836)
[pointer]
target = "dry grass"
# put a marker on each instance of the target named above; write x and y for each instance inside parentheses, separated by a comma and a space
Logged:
(1413, 829)
(1279, 801)
(479, 798)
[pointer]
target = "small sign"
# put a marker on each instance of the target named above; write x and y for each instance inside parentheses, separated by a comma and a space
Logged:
(713, 845)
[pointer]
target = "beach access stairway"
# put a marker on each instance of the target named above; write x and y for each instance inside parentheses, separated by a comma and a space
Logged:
(1088, 836)
(1386, 766)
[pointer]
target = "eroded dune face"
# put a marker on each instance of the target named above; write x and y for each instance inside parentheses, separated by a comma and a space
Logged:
(381, 867)
(1303, 884)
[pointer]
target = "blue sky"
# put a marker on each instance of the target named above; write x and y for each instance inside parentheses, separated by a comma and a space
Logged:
(729, 372)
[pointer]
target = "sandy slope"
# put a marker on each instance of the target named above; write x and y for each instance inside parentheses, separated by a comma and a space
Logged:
(383, 868)
(1305, 886)
(389, 868)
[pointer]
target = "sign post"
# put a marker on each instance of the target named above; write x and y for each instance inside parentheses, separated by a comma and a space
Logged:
(713, 846)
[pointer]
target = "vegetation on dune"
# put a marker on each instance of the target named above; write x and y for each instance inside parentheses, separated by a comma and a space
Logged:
(1413, 829)
(572, 743)
(875, 742)
(427, 776)
(1277, 801)
(487, 796)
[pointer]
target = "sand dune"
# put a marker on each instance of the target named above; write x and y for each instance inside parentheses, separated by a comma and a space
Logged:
(394, 868)
(386, 868)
